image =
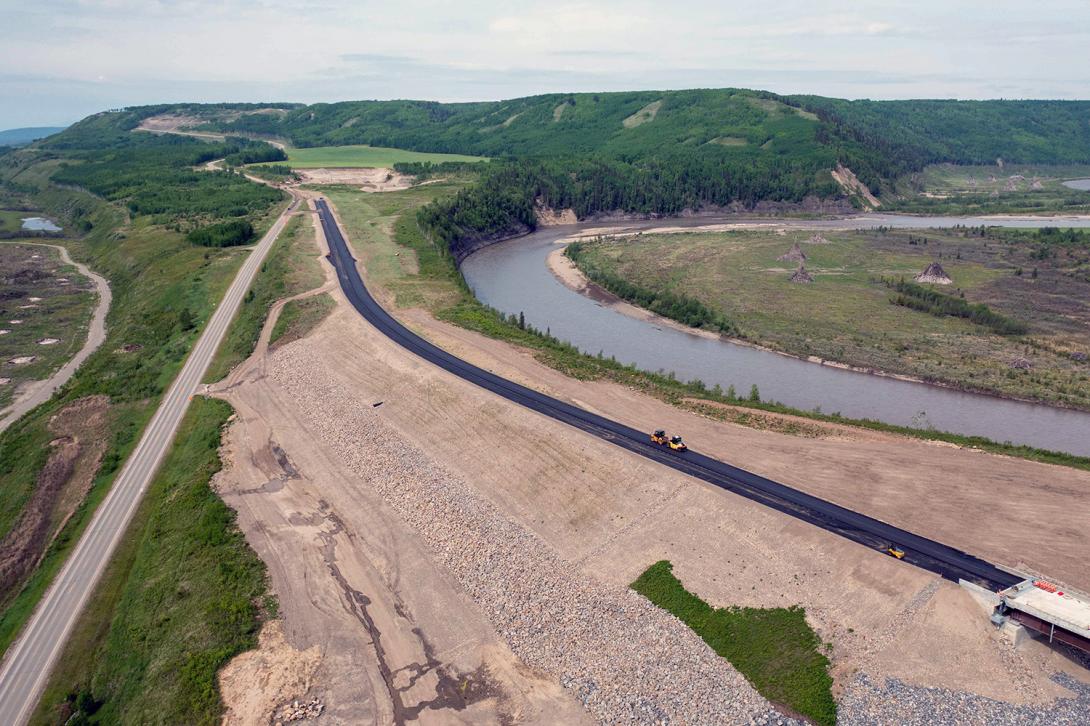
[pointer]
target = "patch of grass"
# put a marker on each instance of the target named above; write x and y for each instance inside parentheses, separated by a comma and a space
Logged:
(290, 268)
(973, 189)
(331, 157)
(12, 221)
(845, 315)
(774, 648)
(299, 317)
(184, 594)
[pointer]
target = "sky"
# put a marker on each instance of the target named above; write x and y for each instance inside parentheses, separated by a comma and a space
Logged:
(61, 60)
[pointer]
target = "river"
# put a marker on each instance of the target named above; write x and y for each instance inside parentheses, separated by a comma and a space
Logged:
(513, 277)
(1080, 184)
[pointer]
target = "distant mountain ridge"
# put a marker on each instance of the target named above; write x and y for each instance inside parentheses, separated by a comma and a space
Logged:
(27, 134)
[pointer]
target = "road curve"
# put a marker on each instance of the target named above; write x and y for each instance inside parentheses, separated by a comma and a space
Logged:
(30, 658)
(40, 391)
(946, 561)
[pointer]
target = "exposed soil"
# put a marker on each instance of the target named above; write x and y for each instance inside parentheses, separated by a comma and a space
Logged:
(368, 180)
(850, 183)
(62, 483)
(255, 684)
(315, 472)
(390, 637)
(850, 593)
(549, 217)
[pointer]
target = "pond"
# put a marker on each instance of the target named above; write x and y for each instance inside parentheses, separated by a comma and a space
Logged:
(39, 224)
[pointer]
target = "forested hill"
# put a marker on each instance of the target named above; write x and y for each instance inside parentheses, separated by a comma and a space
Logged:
(659, 152)
(904, 136)
(615, 124)
(630, 124)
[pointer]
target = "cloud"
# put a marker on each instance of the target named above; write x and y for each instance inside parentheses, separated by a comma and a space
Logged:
(78, 56)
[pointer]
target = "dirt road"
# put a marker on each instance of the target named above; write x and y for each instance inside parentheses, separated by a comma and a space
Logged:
(34, 394)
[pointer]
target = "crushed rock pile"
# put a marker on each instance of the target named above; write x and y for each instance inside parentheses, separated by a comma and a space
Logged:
(817, 239)
(801, 275)
(795, 254)
(298, 711)
(626, 660)
(934, 274)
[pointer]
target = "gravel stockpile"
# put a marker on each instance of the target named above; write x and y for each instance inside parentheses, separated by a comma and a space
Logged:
(626, 660)
(866, 702)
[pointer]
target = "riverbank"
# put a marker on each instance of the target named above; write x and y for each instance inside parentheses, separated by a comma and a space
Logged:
(569, 274)
(36, 393)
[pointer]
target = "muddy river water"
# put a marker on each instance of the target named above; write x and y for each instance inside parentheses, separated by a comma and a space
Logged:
(513, 277)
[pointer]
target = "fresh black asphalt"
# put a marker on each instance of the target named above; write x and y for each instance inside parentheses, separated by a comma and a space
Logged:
(946, 561)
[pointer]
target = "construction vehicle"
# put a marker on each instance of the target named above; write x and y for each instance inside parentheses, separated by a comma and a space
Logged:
(659, 437)
(895, 551)
(677, 444)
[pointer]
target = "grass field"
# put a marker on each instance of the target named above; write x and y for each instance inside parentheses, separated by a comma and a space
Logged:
(846, 315)
(364, 156)
(12, 221)
(774, 648)
(299, 317)
(182, 596)
(949, 188)
(51, 301)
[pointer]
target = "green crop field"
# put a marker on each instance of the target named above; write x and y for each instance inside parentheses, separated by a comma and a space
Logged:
(364, 156)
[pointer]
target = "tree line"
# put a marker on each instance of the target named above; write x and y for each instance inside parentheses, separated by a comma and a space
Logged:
(676, 306)
(926, 300)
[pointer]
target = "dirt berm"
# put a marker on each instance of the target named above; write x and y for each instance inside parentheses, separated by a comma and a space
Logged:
(455, 558)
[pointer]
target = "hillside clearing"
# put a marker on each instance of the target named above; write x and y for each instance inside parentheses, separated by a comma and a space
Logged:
(364, 156)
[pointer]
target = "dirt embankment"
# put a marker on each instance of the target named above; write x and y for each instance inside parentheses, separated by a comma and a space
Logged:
(367, 180)
(74, 456)
(373, 627)
(424, 535)
(549, 217)
(850, 183)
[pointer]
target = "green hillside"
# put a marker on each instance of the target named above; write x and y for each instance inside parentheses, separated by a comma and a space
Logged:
(616, 124)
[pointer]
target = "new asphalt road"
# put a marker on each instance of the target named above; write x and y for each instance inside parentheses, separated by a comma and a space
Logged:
(934, 556)
(31, 657)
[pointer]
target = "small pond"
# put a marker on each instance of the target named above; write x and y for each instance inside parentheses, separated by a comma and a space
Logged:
(39, 224)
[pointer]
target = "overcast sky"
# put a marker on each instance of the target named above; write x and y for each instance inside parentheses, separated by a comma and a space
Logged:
(63, 59)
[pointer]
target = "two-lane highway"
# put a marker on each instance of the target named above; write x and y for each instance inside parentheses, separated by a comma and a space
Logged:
(31, 657)
(934, 556)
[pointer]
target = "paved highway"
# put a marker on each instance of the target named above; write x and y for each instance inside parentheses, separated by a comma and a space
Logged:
(31, 657)
(934, 556)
